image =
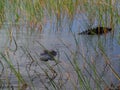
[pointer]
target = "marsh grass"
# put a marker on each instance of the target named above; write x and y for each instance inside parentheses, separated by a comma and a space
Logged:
(84, 82)
(36, 13)
(2, 13)
(107, 60)
(15, 72)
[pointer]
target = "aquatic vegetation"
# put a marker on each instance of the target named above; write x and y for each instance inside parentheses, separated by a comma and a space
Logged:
(15, 72)
(2, 12)
(82, 72)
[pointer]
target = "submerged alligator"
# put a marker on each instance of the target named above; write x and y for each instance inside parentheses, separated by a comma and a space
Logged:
(48, 55)
(96, 31)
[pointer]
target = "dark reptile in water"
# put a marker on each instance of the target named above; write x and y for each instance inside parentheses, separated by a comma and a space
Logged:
(48, 55)
(96, 31)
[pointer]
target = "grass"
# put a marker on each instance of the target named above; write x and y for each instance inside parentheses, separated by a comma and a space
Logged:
(14, 71)
(35, 15)
(2, 13)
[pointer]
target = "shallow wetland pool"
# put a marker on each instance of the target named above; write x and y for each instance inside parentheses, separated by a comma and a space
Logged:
(83, 62)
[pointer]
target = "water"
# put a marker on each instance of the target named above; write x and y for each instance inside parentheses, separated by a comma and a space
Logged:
(29, 43)
(88, 47)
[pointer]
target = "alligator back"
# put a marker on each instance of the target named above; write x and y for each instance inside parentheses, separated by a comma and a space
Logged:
(96, 31)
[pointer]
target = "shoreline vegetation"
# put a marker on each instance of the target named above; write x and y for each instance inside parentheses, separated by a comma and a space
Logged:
(36, 15)
(39, 10)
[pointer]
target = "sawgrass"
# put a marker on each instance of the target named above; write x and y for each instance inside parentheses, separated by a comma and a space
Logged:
(36, 13)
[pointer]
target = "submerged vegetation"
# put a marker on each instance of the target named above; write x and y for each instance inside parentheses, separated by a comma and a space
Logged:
(79, 70)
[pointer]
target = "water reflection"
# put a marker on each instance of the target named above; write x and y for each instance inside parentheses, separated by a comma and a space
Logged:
(94, 50)
(91, 48)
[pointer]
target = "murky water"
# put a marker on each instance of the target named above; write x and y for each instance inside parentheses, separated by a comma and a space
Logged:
(63, 42)
(24, 47)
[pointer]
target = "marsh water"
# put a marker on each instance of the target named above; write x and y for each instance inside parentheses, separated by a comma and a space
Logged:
(23, 44)
(34, 42)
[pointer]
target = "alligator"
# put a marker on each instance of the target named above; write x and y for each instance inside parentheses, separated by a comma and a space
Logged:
(96, 31)
(48, 55)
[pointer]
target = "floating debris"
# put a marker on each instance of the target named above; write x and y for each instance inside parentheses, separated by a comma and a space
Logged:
(48, 55)
(96, 31)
